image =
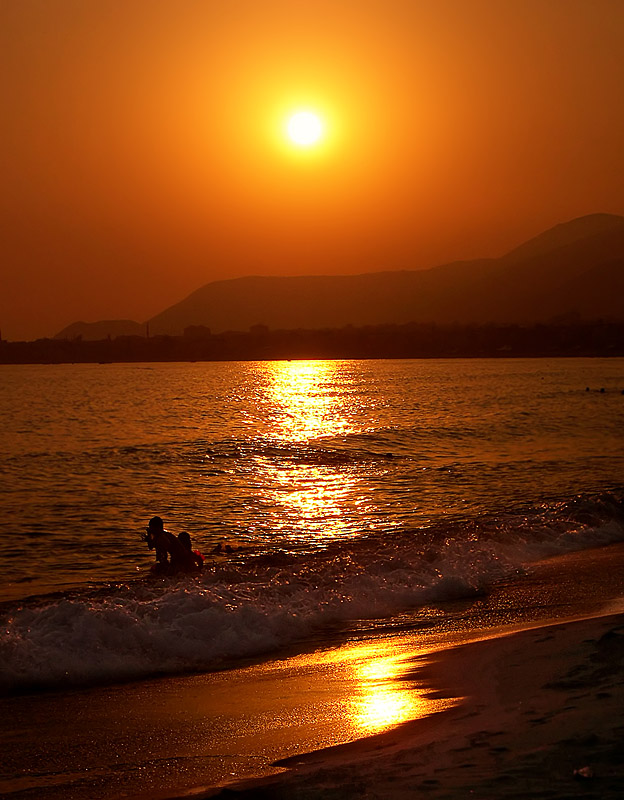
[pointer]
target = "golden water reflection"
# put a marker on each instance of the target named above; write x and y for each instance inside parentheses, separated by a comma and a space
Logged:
(311, 499)
(305, 402)
(310, 492)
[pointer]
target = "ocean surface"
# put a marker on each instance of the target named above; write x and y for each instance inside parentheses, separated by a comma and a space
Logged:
(345, 490)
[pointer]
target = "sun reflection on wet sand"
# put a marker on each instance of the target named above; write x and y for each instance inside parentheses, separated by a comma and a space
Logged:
(383, 701)
(384, 694)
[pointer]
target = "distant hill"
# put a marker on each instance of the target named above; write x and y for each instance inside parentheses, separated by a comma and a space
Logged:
(565, 234)
(94, 331)
(574, 270)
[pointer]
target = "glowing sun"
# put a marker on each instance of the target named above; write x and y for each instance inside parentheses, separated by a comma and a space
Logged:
(304, 128)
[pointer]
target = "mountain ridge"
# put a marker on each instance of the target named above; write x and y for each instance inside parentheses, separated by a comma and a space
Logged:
(573, 268)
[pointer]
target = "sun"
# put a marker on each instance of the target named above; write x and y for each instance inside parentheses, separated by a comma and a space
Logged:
(305, 128)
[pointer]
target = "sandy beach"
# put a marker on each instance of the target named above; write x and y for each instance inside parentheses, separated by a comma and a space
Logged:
(515, 693)
(540, 716)
(534, 713)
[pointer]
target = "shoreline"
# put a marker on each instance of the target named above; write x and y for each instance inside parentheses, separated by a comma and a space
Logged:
(590, 339)
(308, 716)
(541, 716)
(506, 685)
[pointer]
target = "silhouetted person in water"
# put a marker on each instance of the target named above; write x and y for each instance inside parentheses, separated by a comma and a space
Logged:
(173, 554)
(155, 540)
(185, 538)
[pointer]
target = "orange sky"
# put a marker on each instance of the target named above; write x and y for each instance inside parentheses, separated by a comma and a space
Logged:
(143, 153)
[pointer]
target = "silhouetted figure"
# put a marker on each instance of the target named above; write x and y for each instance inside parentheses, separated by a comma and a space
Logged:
(155, 540)
(172, 554)
(185, 538)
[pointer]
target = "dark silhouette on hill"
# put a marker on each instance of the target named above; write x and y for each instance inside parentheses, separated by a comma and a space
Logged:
(104, 329)
(574, 268)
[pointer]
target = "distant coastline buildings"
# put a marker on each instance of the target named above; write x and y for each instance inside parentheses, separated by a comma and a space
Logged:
(557, 339)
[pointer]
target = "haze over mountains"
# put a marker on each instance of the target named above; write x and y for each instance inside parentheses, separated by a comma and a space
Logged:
(573, 270)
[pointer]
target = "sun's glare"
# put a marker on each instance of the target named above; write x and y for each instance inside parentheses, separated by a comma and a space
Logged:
(305, 128)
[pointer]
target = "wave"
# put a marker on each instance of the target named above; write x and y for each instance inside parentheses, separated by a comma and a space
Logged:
(251, 605)
(324, 450)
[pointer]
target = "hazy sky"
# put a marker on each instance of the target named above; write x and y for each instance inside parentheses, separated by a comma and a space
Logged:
(144, 154)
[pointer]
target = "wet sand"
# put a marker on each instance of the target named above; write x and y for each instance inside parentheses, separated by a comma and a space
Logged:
(542, 717)
(510, 716)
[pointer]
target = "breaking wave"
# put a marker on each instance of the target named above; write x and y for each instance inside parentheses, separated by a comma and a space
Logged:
(248, 605)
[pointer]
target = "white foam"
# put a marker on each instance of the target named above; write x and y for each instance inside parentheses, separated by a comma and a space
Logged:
(253, 606)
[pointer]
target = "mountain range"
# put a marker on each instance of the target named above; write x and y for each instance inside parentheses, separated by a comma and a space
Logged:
(573, 271)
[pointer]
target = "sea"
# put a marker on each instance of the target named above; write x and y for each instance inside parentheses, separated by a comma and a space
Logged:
(321, 493)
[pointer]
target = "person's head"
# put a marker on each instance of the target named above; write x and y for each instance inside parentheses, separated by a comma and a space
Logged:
(185, 538)
(155, 525)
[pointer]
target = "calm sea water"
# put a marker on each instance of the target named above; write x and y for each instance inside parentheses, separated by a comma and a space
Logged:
(346, 489)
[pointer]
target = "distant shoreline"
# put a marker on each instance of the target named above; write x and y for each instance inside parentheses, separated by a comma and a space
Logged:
(598, 339)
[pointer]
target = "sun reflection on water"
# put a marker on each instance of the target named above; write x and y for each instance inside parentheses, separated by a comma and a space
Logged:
(308, 487)
(311, 498)
(305, 406)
